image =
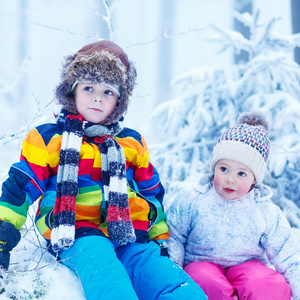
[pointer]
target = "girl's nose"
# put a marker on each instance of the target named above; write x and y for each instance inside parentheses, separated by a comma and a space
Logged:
(230, 179)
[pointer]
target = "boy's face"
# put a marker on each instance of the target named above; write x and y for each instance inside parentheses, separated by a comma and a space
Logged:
(95, 101)
(232, 180)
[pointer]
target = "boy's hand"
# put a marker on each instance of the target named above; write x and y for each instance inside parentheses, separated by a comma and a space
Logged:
(4, 255)
(163, 248)
(9, 238)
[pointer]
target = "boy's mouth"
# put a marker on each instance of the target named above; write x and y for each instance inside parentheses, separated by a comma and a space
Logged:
(228, 190)
(95, 109)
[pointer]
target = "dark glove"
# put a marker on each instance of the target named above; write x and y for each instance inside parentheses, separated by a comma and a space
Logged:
(163, 248)
(9, 238)
(4, 259)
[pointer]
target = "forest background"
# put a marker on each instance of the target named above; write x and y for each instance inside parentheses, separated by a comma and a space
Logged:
(200, 64)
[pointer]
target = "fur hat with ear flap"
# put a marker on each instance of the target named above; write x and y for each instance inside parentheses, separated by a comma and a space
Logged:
(99, 62)
(248, 143)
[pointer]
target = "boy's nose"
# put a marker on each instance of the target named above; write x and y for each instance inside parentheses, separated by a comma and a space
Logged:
(98, 99)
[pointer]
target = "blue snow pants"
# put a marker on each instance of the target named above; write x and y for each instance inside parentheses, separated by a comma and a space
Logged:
(131, 272)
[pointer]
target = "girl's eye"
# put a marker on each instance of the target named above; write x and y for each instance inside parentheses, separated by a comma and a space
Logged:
(223, 169)
(242, 174)
(109, 92)
(88, 88)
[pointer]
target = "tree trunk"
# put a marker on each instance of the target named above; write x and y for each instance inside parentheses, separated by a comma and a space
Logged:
(295, 10)
(242, 6)
(165, 50)
(21, 91)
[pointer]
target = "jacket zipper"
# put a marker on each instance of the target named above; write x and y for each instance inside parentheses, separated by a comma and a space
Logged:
(143, 197)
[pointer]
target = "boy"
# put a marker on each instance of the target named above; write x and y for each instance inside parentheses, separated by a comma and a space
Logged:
(100, 199)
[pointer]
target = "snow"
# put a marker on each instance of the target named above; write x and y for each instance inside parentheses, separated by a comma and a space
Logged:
(34, 273)
(188, 69)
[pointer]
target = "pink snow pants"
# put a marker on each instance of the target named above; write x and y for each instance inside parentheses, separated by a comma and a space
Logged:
(250, 280)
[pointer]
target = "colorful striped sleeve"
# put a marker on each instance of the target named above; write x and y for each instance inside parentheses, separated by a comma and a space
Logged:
(27, 179)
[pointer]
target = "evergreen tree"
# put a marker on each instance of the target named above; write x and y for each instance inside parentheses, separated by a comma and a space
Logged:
(212, 99)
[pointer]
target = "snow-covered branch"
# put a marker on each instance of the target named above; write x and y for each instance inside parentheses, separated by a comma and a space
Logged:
(166, 35)
(37, 119)
(19, 74)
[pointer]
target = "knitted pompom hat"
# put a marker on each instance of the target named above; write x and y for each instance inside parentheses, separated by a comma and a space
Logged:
(99, 62)
(247, 143)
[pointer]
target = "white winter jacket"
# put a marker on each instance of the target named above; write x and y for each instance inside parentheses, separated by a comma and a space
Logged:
(206, 227)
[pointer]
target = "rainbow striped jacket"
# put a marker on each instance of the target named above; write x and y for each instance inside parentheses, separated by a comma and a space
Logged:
(33, 179)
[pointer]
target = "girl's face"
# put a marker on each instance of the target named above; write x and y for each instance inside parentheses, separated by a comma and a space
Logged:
(95, 101)
(232, 180)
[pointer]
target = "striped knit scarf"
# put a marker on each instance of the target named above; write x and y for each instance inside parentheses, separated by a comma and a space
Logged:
(119, 225)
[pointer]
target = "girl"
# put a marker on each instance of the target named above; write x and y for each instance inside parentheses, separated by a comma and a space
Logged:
(222, 230)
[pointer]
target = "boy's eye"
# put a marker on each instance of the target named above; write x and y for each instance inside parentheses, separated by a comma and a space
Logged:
(223, 169)
(88, 88)
(242, 174)
(109, 92)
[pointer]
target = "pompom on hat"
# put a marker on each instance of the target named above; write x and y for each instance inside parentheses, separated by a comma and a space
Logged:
(100, 62)
(248, 143)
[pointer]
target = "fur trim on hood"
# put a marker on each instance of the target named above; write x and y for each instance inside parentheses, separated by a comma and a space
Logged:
(100, 62)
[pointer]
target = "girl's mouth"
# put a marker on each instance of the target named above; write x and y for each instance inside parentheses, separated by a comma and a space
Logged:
(228, 190)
